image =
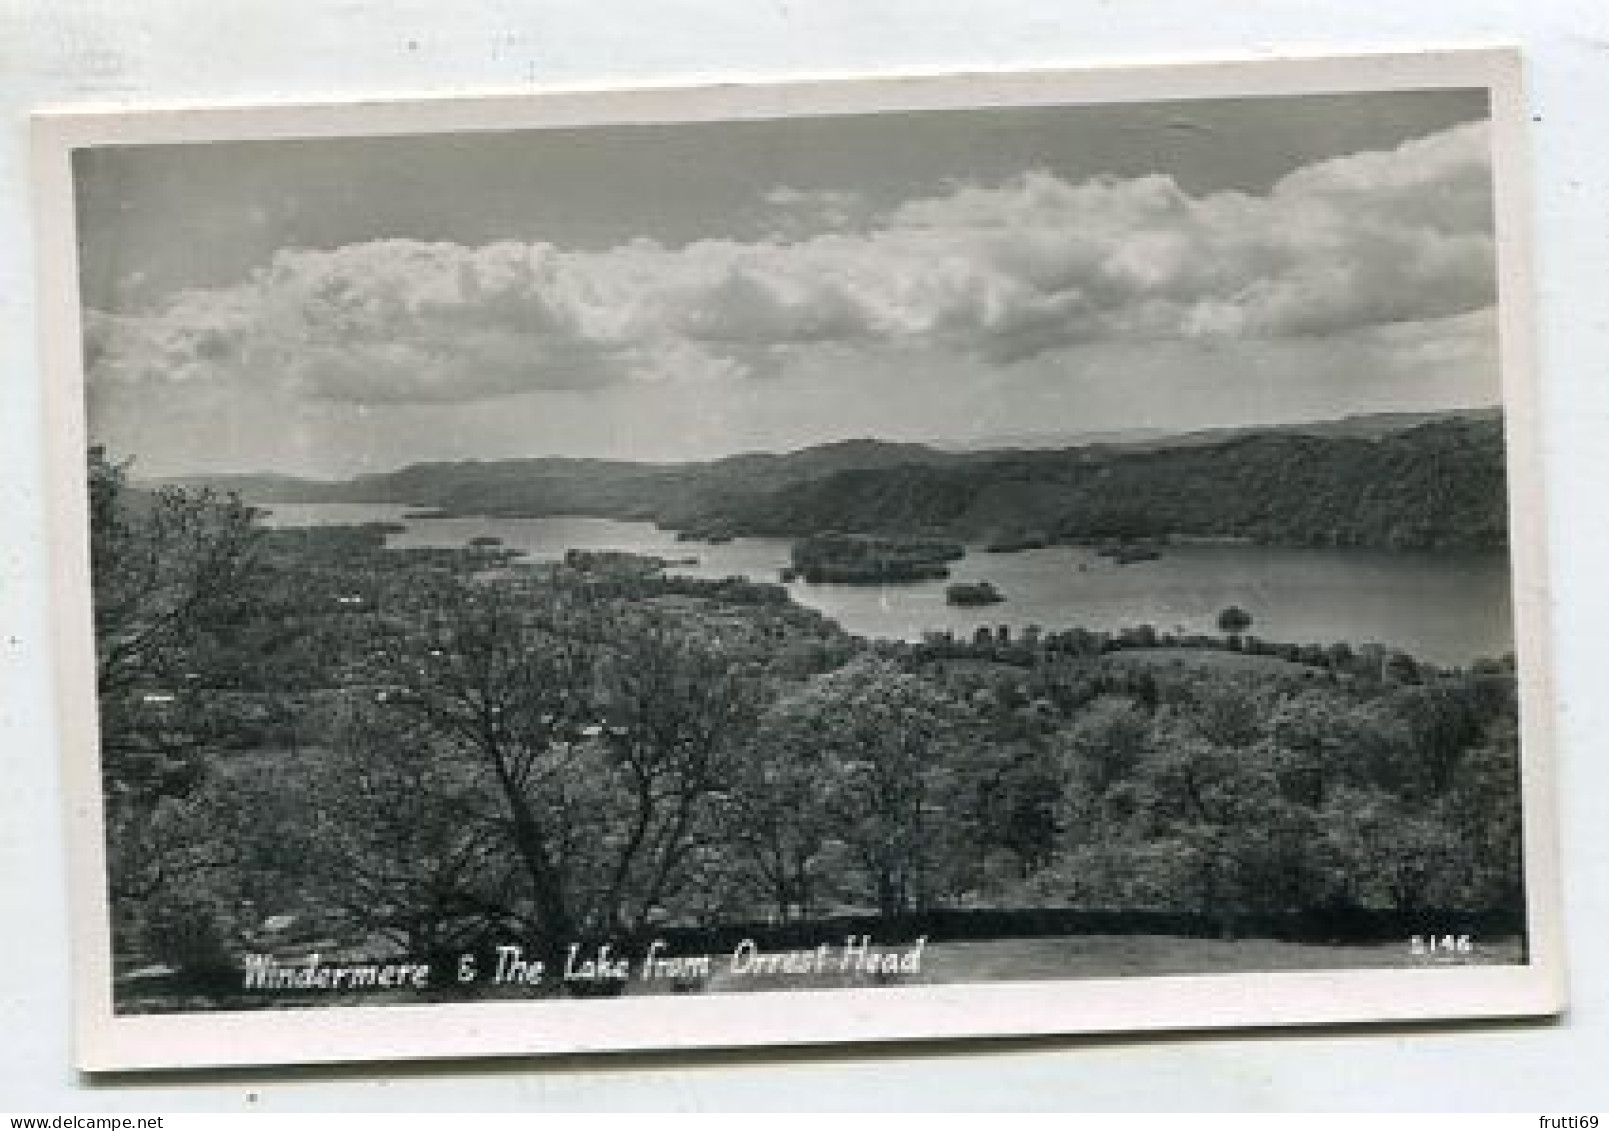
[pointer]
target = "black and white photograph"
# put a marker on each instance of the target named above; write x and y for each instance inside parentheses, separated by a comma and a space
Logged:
(807, 554)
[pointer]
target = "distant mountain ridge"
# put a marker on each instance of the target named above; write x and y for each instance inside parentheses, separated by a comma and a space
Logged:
(1373, 425)
(549, 480)
(1405, 480)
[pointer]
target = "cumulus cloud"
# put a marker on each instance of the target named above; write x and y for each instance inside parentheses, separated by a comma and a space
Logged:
(1001, 273)
(794, 214)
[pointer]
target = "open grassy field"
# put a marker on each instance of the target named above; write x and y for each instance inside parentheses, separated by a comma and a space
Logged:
(1041, 959)
(1113, 956)
(1205, 659)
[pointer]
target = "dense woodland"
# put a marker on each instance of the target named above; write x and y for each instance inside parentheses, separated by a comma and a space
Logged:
(425, 751)
(1432, 483)
(1437, 486)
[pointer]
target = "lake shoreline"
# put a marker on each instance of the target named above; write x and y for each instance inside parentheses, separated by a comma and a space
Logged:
(1447, 608)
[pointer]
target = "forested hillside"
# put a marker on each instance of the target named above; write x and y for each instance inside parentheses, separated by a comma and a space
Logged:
(1430, 485)
(1437, 486)
(313, 744)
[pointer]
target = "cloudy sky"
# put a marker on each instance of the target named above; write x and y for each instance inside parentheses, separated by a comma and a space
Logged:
(676, 292)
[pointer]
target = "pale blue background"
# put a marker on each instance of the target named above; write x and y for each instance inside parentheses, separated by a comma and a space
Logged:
(65, 50)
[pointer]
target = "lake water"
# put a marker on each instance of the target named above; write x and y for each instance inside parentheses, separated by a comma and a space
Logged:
(1445, 608)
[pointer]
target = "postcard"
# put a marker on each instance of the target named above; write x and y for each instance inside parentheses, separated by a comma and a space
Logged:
(770, 563)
